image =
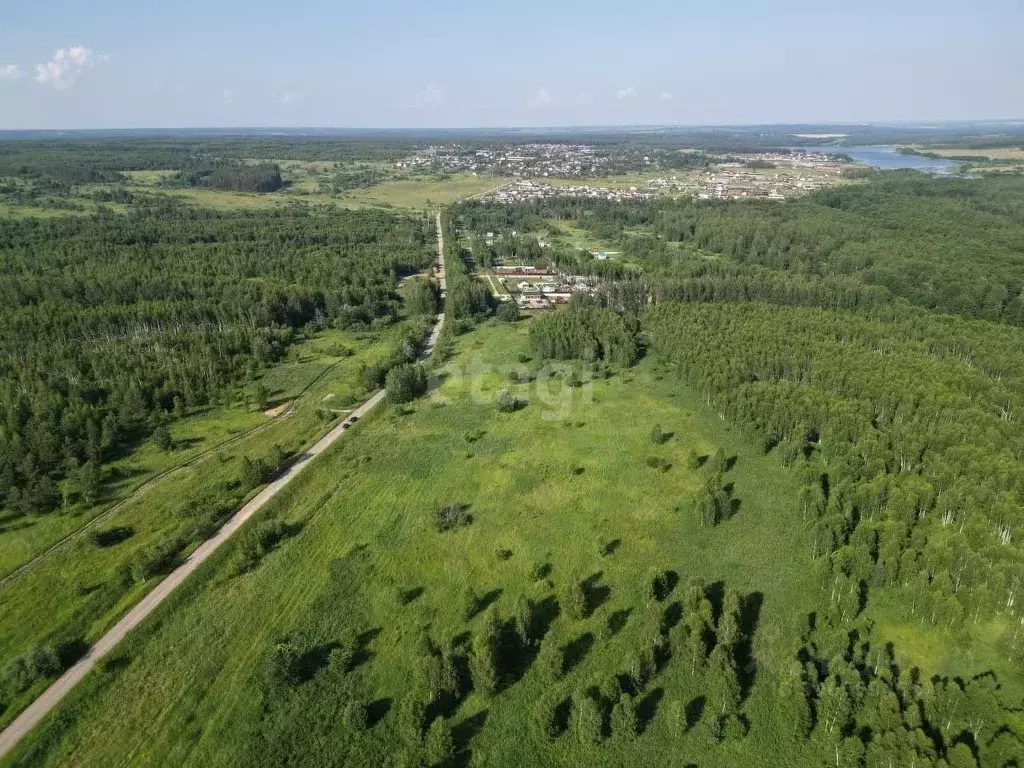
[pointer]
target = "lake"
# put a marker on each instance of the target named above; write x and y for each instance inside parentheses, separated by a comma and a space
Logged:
(889, 158)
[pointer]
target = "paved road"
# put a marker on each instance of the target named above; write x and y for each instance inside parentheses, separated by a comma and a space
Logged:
(39, 708)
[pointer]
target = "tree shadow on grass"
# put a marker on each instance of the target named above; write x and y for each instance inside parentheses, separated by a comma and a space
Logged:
(694, 711)
(576, 651)
(484, 602)
(406, 596)
(377, 710)
(715, 593)
(464, 733)
(647, 708)
(315, 659)
(517, 657)
(750, 616)
(595, 593)
(673, 614)
(363, 653)
(618, 620)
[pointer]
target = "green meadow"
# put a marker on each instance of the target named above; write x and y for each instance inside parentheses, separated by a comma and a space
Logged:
(570, 489)
(69, 597)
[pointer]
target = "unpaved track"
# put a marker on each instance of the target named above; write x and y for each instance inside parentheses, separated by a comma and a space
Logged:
(22, 569)
(39, 708)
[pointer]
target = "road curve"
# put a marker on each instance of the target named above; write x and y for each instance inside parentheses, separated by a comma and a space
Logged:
(52, 696)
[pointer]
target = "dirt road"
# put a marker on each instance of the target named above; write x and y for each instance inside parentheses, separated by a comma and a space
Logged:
(39, 708)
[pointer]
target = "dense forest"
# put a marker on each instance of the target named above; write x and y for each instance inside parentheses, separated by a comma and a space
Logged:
(834, 329)
(113, 324)
(240, 177)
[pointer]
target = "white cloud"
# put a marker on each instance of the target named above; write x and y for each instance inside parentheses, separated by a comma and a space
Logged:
(180, 88)
(542, 98)
(66, 66)
(10, 72)
(228, 95)
(431, 96)
(625, 93)
(288, 97)
(664, 96)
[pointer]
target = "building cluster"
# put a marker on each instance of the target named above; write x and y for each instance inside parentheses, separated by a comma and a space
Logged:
(538, 288)
(764, 175)
(515, 160)
(518, 191)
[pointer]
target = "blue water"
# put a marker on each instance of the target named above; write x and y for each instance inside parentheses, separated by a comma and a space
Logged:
(888, 158)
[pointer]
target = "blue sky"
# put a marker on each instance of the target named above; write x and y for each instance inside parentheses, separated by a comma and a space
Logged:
(121, 63)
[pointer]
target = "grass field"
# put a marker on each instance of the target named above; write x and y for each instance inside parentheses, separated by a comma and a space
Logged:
(564, 482)
(304, 183)
(420, 193)
(193, 434)
(73, 595)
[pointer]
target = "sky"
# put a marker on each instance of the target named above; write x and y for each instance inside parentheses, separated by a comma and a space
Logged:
(67, 64)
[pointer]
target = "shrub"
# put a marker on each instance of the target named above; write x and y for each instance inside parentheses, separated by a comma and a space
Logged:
(656, 462)
(545, 716)
(162, 439)
(508, 312)
(623, 718)
(483, 663)
(469, 603)
(658, 437)
(586, 718)
(523, 620)
(551, 659)
(574, 602)
(452, 516)
(440, 747)
(282, 667)
(539, 571)
(507, 402)
(156, 559)
(412, 715)
(38, 662)
(405, 382)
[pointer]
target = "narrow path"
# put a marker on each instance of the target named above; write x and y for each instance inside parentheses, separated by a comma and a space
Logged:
(52, 696)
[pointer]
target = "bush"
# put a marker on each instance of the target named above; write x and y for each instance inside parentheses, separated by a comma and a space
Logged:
(507, 402)
(623, 719)
(658, 437)
(452, 516)
(508, 312)
(574, 602)
(256, 542)
(156, 559)
(440, 746)
(656, 462)
(282, 667)
(483, 661)
(551, 659)
(162, 439)
(38, 662)
(586, 718)
(405, 382)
